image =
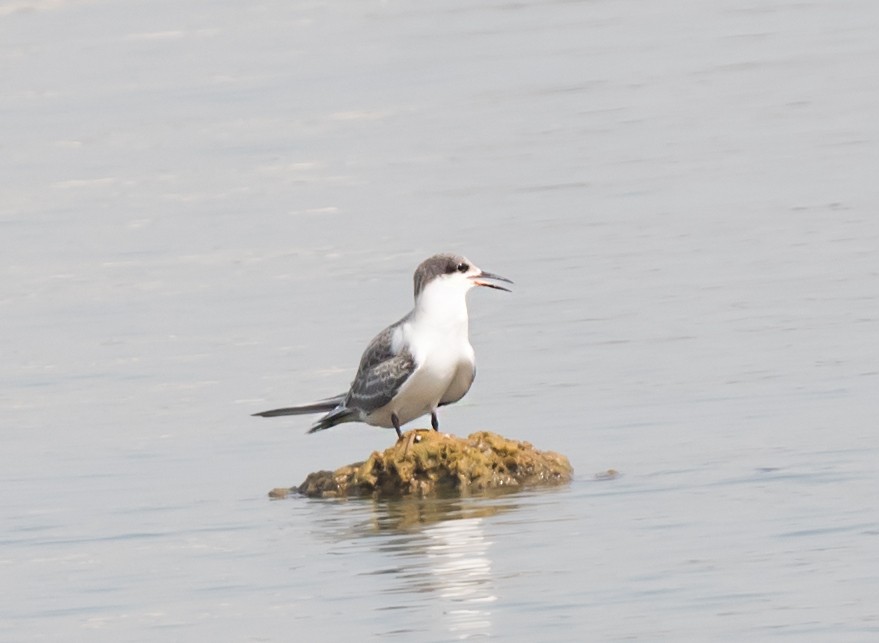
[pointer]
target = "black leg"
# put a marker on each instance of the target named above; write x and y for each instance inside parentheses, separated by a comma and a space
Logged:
(434, 421)
(396, 421)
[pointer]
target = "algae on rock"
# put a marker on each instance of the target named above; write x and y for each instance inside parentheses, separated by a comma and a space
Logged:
(426, 463)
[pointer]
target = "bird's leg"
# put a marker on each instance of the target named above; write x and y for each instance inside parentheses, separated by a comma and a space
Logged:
(396, 422)
(434, 421)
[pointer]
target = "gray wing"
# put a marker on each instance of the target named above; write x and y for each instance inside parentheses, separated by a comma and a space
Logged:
(378, 384)
(381, 373)
(380, 349)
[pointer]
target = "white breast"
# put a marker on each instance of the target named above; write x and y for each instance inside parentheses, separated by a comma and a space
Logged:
(445, 364)
(436, 334)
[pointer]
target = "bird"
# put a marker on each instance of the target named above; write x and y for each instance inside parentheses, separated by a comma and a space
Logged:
(417, 364)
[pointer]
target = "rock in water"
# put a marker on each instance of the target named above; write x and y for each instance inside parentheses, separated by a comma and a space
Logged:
(427, 463)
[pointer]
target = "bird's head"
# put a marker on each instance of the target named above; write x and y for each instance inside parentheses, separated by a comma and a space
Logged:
(452, 274)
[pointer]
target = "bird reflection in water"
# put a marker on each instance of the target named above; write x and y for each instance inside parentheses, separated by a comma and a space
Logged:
(442, 558)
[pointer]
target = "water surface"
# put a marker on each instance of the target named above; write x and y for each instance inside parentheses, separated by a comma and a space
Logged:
(208, 209)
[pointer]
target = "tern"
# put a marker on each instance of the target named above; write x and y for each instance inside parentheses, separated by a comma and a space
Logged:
(418, 364)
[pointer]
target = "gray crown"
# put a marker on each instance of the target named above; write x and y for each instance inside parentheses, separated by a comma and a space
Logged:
(431, 268)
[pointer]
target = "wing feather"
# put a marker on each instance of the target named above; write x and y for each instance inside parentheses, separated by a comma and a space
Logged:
(384, 367)
(379, 383)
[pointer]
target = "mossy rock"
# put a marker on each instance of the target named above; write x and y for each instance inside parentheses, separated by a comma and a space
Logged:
(426, 463)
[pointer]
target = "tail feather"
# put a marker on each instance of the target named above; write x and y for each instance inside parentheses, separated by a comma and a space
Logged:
(334, 417)
(321, 406)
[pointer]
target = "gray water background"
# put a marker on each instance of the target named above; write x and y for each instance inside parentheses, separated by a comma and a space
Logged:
(208, 208)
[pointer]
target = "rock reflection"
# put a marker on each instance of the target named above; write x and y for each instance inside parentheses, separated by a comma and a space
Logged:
(442, 558)
(418, 514)
(433, 556)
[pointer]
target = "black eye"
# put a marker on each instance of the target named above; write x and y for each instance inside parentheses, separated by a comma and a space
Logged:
(462, 267)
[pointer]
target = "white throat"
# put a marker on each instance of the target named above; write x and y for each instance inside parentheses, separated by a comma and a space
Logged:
(443, 304)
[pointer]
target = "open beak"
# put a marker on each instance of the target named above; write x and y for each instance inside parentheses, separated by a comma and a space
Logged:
(479, 280)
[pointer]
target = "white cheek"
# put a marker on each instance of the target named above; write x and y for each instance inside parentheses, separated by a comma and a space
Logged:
(444, 299)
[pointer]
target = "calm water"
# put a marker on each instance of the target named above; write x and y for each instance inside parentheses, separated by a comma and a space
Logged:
(208, 208)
